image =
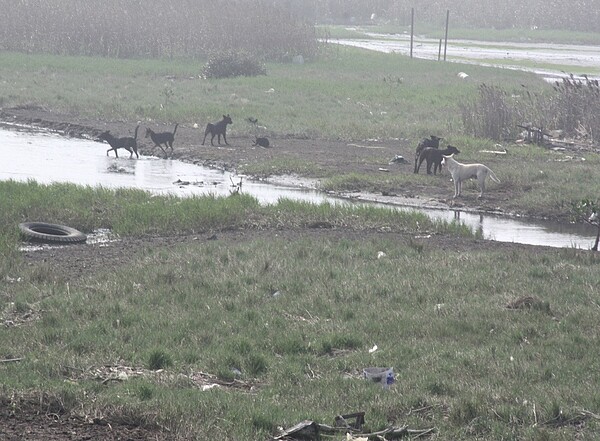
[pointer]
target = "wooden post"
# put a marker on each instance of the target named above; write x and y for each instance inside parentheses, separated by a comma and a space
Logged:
(446, 38)
(412, 29)
(440, 50)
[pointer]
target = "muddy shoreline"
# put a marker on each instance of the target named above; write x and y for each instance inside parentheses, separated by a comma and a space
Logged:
(370, 156)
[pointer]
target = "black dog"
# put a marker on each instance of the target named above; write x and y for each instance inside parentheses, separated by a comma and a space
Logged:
(128, 143)
(263, 142)
(431, 142)
(217, 129)
(434, 157)
(165, 138)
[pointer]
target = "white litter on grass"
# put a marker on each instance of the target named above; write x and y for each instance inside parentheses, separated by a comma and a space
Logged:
(373, 349)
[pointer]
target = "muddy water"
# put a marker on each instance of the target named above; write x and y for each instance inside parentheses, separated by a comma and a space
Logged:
(47, 158)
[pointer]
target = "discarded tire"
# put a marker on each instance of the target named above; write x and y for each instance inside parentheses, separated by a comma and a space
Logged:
(51, 233)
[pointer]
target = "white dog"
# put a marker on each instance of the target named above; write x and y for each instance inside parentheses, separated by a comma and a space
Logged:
(462, 172)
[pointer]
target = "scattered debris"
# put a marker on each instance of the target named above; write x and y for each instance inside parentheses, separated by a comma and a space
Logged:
(462, 75)
(236, 187)
(381, 169)
(398, 159)
(12, 360)
(495, 152)
(529, 302)
(310, 430)
(383, 376)
(358, 417)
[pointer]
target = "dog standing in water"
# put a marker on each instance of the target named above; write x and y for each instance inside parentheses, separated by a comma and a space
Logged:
(462, 172)
(128, 143)
(166, 138)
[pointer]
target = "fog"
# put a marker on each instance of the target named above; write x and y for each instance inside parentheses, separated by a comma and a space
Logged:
(272, 30)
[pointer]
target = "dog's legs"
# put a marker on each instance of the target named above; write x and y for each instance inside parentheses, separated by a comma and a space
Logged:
(481, 185)
(457, 187)
(163, 150)
(225, 138)
(418, 167)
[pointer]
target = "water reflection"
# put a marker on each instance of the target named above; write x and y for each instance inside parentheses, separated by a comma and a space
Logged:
(49, 158)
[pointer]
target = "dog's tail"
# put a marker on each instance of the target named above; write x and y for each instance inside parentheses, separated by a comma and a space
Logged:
(136, 130)
(175, 129)
(493, 176)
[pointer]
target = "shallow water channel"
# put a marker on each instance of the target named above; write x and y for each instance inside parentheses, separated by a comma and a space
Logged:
(46, 158)
(548, 60)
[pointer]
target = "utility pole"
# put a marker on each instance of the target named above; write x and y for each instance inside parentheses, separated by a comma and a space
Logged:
(412, 29)
(446, 38)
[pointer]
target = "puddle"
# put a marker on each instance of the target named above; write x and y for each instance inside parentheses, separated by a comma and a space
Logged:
(507, 55)
(47, 158)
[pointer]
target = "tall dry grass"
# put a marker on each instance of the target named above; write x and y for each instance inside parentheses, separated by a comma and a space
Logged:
(573, 107)
(154, 28)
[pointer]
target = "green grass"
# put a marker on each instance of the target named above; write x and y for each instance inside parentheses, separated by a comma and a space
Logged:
(465, 364)
(347, 93)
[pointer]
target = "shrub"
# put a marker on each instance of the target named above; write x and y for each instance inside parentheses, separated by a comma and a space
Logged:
(233, 64)
(573, 107)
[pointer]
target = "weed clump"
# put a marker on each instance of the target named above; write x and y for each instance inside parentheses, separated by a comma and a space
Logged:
(159, 359)
(572, 108)
(233, 64)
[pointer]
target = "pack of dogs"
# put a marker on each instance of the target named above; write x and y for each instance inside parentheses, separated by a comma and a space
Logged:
(165, 140)
(428, 151)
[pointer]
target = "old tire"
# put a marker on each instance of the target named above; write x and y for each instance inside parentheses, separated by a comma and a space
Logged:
(51, 233)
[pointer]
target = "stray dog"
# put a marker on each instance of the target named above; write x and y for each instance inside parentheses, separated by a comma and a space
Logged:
(434, 157)
(263, 142)
(432, 142)
(128, 143)
(217, 129)
(462, 172)
(165, 138)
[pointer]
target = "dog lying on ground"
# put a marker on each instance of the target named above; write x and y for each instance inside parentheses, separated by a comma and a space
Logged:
(431, 142)
(462, 172)
(262, 142)
(217, 129)
(434, 157)
(160, 138)
(128, 143)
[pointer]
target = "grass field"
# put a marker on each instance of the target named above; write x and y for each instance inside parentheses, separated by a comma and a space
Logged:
(293, 320)
(347, 93)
